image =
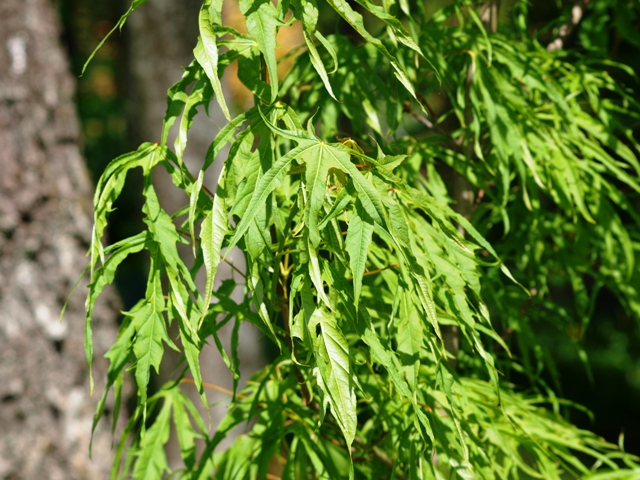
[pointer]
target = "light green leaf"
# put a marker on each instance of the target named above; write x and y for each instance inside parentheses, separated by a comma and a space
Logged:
(213, 230)
(104, 276)
(192, 347)
(368, 195)
(317, 168)
(177, 97)
(396, 25)
(315, 273)
(357, 22)
(108, 190)
(152, 460)
(261, 18)
(410, 339)
(118, 356)
(163, 231)
(267, 183)
(330, 50)
(257, 291)
(390, 362)
(342, 200)
(200, 95)
(151, 329)
(316, 61)
(206, 52)
(183, 412)
(334, 369)
(193, 203)
(359, 235)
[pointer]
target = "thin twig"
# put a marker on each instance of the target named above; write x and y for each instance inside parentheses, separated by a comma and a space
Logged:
(373, 272)
(451, 143)
(370, 272)
(213, 386)
(236, 269)
(187, 235)
(204, 187)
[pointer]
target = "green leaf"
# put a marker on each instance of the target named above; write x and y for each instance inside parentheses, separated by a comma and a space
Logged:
(261, 18)
(183, 412)
(359, 235)
(151, 329)
(267, 183)
(342, 200)
(206, 52)
(104, 276)
(152, 459)
(367, 193)
(318, 163)
(316, 61)
(315, 274)
(335, 376)
(193, 203)
(547, 142)
(108, 190)
(118, 356)
(213, 231)
(177, 97)
(258, 299)
(357, 22)
(200, 95)
(410, 340)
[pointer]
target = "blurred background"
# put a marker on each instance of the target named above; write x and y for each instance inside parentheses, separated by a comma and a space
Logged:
(120, 102)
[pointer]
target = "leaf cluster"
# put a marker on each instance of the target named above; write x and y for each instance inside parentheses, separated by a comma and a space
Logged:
(361, 267)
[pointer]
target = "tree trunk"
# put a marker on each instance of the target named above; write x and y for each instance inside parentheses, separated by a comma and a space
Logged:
(45, 225)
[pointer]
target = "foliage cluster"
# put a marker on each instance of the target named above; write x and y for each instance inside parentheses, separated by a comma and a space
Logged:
(399, 325)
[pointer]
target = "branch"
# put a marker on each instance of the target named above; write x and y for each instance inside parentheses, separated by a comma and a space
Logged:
(489, 15)
(567, 28)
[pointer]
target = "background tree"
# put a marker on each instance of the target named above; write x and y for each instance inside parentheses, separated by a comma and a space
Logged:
(45, 225)
(542, 137)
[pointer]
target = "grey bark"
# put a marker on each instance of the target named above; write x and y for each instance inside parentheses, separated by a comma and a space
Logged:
(45, 225)
(161, 38)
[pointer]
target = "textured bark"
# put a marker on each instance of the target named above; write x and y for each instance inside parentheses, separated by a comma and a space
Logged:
(45, 225)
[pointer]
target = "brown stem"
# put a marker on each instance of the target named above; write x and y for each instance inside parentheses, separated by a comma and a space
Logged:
(429, 124)
(373, 272)
(213, 386)
(187, 235)
(238, 271)
(370, 272)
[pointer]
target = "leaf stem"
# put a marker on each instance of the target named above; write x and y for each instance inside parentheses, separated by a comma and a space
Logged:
(213, 386)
